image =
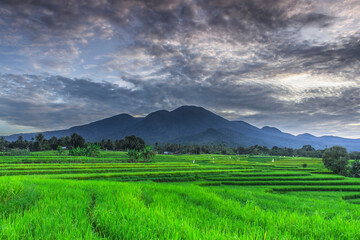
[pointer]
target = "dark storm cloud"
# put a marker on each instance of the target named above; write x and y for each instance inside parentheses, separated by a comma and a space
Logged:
(235, 57)
(158, 18)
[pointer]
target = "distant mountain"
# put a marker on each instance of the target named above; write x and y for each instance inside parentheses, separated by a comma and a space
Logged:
(94, 131)
(163, 126)
(190, 124)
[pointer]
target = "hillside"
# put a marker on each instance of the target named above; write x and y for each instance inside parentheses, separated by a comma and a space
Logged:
(190, 124)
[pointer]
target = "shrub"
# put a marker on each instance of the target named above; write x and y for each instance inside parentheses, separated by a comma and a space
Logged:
(19, 152)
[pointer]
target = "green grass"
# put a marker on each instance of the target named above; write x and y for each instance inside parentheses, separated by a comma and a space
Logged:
(44, 196)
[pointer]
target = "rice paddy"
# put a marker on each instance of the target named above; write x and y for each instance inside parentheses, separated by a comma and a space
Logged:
(45, 196)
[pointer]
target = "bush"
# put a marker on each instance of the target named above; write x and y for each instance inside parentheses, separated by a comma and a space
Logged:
(19, 152)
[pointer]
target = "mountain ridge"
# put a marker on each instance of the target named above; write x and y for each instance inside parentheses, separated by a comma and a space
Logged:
(193, 124)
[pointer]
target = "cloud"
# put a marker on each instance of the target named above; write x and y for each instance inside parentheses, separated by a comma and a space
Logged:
(291, 64)
(62, 102)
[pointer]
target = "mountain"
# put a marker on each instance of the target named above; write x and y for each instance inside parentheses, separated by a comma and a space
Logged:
(163, 126)
(190, 124)
(94, 131)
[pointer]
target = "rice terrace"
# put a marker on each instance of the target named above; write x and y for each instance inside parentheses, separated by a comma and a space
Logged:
(47, 196)
(180, 119)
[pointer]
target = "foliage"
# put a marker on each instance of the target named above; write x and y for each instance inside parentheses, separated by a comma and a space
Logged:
(77, 141)
(355, 168)
(92, 150)
(19, 152)
(118, 204)
(78, 151)
(355, 155)
(134, 155)
(2, 144)
(53, 143)
(147, 153)
(307, 148)
(336, 159)
(39, 143)
(60, 150)
(133, 142)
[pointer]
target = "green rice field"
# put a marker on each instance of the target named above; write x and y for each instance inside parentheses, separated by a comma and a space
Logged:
(45, 196)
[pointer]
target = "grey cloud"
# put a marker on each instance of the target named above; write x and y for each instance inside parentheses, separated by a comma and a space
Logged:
(85, 101)
(158, 18)
(332, 57)
(82, 97)
(219, 54)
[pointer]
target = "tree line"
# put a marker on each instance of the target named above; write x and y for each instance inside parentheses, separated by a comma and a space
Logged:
(304, 151)
(337, 158)
(40, 143)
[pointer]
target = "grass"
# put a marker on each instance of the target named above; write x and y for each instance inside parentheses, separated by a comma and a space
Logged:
(44, 196)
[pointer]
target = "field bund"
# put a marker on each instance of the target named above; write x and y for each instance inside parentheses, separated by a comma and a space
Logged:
(45, 196)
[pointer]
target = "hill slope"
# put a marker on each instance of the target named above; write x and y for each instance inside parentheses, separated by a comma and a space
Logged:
(190, 124)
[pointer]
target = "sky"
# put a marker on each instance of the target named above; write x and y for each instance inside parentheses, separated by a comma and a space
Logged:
(290, 64)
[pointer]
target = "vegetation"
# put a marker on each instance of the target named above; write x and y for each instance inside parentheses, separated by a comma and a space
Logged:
(170, 197)
(60, 150)
(134, 155)
(336, 159)
(133, 142)
(355, 168)
(19, 152)
(147, 153)
(92, 150)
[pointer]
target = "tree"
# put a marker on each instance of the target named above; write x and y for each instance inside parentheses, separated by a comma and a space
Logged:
(2, 144)
(336, 159)
(20, 143)
(102, 143)
(133, 142)
(65, 142)
(355, 168)
(53, 143)
(147, 153)
(39, 143)
(308, 148)
(77, 141)
(109, 145)
(118, 144)
(355, 155)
